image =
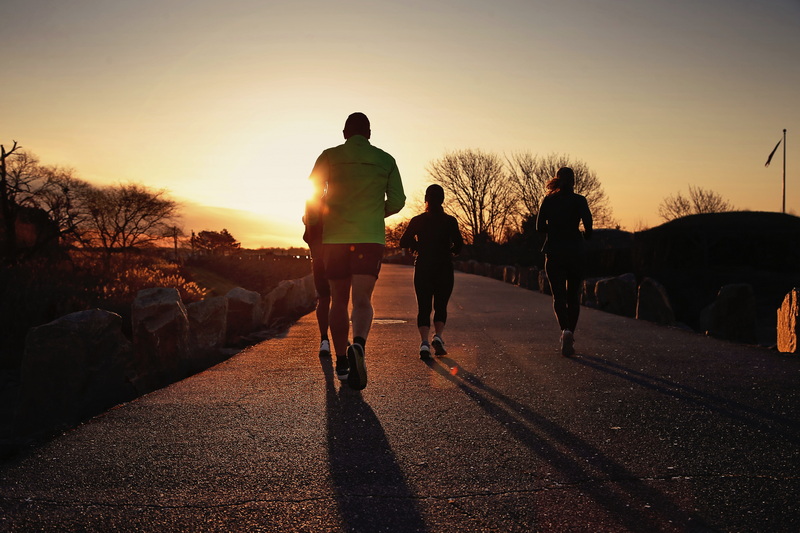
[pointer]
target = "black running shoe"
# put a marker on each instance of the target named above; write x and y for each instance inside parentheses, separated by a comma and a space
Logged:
(438, 345)
(358, 369)
(342, 368)
(425, 351)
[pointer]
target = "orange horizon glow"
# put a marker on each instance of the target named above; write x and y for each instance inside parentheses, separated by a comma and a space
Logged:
(229, 108)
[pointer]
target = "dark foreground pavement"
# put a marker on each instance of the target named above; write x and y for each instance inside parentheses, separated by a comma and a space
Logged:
(646, 429)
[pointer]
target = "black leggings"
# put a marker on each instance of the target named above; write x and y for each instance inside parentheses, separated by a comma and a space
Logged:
(565, 272)
(433, 284)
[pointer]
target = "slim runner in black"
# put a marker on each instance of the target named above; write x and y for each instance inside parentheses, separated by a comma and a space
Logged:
(435, 238)
(560, 215)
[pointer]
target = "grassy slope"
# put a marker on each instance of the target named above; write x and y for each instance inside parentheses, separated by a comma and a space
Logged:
(218, 285)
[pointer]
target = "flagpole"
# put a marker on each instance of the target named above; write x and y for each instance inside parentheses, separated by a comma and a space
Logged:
(769, 159)
(784, 171)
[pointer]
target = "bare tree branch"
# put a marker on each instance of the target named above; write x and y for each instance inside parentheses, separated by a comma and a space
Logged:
(530, 174)
(129, 215)
(477, 192)
(699, 201)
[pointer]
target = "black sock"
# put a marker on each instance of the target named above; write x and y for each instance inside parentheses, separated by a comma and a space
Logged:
(324, 337)
(360, 340)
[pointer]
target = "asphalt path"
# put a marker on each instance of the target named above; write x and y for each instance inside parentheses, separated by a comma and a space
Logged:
(646, 428)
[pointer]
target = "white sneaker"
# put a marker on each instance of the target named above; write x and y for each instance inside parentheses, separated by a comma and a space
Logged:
(325, 348)
(567, 342)
(425, 350)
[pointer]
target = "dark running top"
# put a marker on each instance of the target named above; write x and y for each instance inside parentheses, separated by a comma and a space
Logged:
(434, 236)
(559, 217)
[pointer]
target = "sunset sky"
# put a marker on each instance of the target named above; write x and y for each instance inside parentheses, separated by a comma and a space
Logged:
(227, 104)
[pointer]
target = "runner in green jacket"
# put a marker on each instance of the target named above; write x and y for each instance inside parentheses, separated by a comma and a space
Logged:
(361, 186)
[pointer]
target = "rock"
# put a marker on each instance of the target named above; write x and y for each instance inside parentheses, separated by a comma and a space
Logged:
(652, 303)
(208, 323)
(290, 300)
(587, 292)
(160, 337)
(273, 303)
(481, 269)
(510, 274)
(617, 295)
(732, 315)
(74, 368)
(529, 278)
(245, 313)
(788, 323)
(497, 272)
(544, 283)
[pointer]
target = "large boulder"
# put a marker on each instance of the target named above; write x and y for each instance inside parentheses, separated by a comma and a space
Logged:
(788, 323)
(617, 295)
(510, 274)
(479, 269)
(304, 299)
(289, 300)
(208, 321)
(160, 337)
(652, 303)
(588, 297)
(245, 313)
(528, 278)
(74, 367)
(732, 315)
(497, 272)
(544, 282)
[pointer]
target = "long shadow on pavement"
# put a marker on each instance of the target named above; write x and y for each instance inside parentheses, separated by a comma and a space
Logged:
(371, 490)
(759, 419)
(638, 507)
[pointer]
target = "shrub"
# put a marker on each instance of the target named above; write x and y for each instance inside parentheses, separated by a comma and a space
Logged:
(40, 291)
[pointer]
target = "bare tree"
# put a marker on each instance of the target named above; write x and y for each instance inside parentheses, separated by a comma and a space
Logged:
(674, 206)
(64, 198)
(529, 180)
(699, 201)
(530, 174)
(394, 232)
(478, 192)
(21, 176)
(21, 182)
(55, 190)
(127, 216)
(7, 204)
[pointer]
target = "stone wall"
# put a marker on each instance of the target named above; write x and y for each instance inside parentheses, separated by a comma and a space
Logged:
(82, 364)
(730, 315)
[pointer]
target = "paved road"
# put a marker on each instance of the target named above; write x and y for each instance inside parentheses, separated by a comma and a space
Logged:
(645, 429)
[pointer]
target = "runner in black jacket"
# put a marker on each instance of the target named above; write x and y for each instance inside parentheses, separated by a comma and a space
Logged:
(560, 214)
(435, 237)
